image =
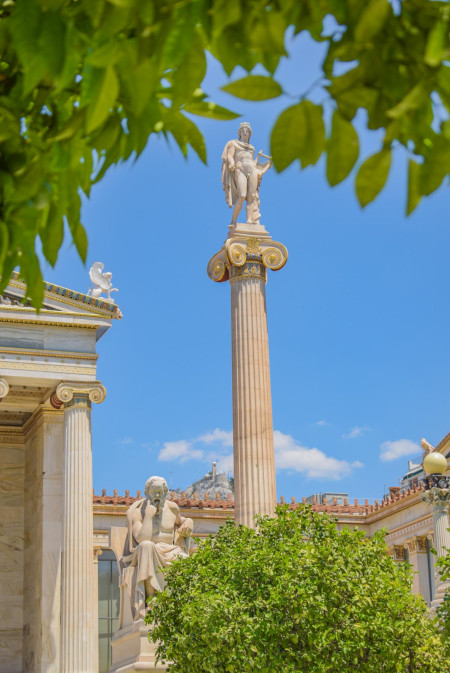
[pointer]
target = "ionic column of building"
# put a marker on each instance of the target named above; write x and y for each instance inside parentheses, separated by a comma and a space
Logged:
(439, 500)
(418, 558)
(244, 261)
(78, 644)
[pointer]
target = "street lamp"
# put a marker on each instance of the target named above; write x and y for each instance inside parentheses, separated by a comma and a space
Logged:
(437, 495)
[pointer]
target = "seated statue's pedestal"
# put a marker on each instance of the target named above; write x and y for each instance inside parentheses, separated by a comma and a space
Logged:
(133, 651)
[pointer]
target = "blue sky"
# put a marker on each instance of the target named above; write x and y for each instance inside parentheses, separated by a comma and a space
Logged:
(358, 318)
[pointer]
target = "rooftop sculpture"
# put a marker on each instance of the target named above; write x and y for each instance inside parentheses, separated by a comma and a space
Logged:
(102, 281)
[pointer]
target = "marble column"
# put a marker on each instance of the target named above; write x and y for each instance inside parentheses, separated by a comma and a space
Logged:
(244, 261)
(78, 649)
(439, 500)
(417, 547)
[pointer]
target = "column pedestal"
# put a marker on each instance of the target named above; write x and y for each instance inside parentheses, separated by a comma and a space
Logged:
(243, 261)
(78, 643)
(133, 651)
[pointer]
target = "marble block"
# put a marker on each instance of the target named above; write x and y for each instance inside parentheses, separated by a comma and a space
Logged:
(132, 650)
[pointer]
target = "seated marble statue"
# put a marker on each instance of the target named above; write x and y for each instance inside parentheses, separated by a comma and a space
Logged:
(155, 531)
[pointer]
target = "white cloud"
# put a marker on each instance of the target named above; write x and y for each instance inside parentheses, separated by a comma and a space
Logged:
(290, 455)
(322, 422)
(181, 450)
(357, 431)
(398, 449)
(222, 436)
(225, 464)
(126, 440)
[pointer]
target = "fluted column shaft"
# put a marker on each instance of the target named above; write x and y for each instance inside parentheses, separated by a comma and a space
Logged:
(254, 462)
(244, 260)
(77, 636)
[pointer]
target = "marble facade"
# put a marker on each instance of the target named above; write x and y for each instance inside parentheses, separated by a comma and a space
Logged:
(47, 570)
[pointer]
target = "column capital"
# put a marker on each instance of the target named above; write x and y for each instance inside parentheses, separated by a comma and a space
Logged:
(4, 388)
(243, 252)
(438, 498)
(72, 393)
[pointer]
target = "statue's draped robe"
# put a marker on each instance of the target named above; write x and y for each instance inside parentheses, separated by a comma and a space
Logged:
(229, 180)
(142, 562)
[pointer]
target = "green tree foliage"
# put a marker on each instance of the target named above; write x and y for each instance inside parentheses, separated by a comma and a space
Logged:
(298, 595)
(443, 564)
(84, 83)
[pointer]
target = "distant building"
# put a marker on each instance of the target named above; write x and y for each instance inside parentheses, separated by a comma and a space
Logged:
(330, 497)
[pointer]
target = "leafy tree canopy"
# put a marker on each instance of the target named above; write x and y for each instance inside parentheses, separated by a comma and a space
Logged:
(298, 595)
(84, 83)
(443, 564)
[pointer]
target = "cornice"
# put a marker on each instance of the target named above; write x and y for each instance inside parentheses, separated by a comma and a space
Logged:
(70, 355)
(40, 323)
(11, 435)
(441, 446)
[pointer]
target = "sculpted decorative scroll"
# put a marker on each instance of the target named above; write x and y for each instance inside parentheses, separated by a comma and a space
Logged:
(4, 388)
(275, 256)
(217, 267)
(236, 253)
(95, 391)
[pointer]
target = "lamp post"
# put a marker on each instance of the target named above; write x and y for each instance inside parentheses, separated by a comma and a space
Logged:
(437, 495)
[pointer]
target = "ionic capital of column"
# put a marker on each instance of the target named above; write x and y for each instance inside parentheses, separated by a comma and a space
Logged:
(242, 257)
(73, 394)
(96, 553)
(4, 388)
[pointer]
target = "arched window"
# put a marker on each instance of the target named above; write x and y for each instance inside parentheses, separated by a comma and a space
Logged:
(108, 606)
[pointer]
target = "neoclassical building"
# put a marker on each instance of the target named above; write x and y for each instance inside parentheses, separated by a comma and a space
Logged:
(48, 384)
(407, 518)
(59, 543)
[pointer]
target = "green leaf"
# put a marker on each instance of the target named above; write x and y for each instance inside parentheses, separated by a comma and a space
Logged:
(81, 241)
(4, 243)
(287, 137)
(53, 234)
(343, 149)
(52, 42)
(299, 133)
(102, 99)
(314, 141)
(70, 128)
(254, 87)
(436, 166)
(372, 20)
(185, 132)
(412, 101)
(210, 110)
(225, 13)
(414, 194)
(372, 176)
(143, 80)
(190, 73)
(436, 43)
